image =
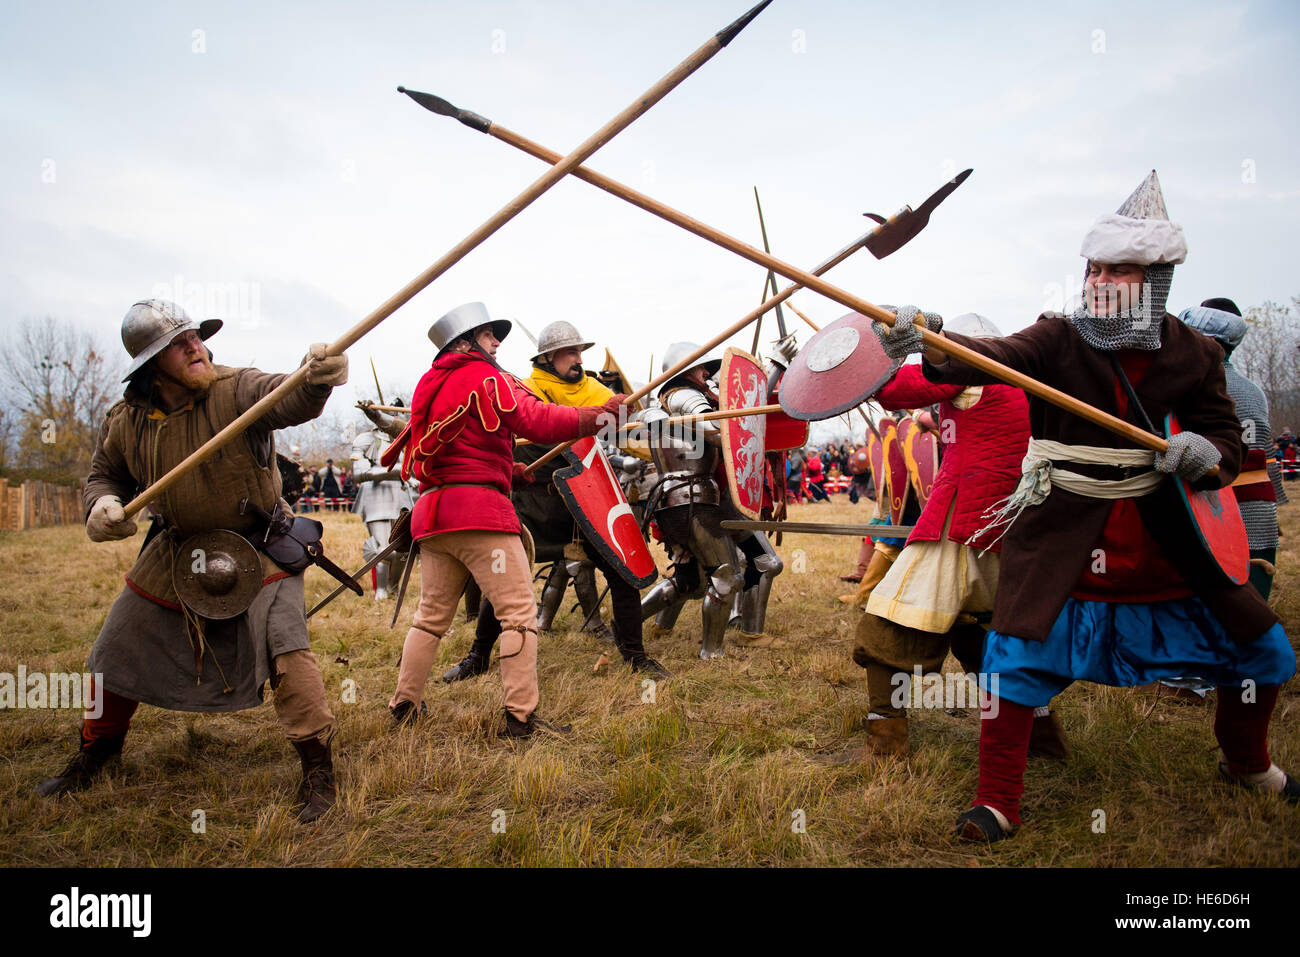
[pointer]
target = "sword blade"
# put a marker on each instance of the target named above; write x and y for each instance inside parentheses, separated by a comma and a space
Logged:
(406, 577)
(353, 577)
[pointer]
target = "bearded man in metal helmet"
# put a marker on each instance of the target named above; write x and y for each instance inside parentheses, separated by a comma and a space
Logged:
(458, 446)
(1103, 577)
(168, 641)
(558, 377)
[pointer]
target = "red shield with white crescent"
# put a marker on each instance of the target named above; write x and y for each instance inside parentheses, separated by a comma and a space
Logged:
(1218, 523)
(922, 453)
(596, 500)
(743, 385)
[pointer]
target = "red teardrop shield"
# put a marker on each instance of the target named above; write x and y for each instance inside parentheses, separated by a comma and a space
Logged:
(783, 432)
(841, 367)
(922, 453)
(879, 474)
(1218, 523)
(900, 487)
(596, 500)
(742, 384)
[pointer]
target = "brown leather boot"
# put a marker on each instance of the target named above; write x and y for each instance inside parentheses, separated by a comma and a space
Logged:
(886, 738)
(84, 766)
(316, 793)
(1047, 738)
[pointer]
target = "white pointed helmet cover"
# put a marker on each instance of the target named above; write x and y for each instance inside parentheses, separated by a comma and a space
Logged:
(1139, 232)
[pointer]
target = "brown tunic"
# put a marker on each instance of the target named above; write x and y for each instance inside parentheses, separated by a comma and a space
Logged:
(144, 650)
(1049, 545)
(138, 444)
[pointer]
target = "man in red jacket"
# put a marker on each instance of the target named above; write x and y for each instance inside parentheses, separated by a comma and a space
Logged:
(946, 576)
(458, 446)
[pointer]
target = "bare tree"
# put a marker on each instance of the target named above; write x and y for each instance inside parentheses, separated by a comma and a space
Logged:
(59, 381)
(1270, 356)
(327, 437)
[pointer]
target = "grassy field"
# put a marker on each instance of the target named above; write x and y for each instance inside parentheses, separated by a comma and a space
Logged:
(718, 769)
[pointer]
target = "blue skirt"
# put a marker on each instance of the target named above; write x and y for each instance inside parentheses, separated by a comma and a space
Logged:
(1122, 645)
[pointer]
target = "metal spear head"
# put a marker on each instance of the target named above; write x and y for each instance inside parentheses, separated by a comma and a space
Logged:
(898, 231)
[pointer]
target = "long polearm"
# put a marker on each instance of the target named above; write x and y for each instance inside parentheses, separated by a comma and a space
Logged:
(1133, 433)
(704, 417)
(436, 104)
(561, 167)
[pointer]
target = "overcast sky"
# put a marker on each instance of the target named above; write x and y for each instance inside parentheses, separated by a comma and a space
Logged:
(254, 161)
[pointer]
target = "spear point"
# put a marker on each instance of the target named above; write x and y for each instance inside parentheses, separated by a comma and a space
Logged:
(436, 104)
(727, 34)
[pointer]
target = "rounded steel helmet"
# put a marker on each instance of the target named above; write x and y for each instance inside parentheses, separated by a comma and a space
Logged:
(560, 335)
(465, 319)
(150, 326)
(974, 325)
(557, 336)
(680, 350)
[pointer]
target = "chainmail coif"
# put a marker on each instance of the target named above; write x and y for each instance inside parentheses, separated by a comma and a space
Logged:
(1138, 326)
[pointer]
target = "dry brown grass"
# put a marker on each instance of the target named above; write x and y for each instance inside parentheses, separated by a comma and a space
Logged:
(712, 773)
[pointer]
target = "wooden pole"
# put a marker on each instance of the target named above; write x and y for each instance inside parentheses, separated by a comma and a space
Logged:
(997, 370)
(704, 417)
(559, 169)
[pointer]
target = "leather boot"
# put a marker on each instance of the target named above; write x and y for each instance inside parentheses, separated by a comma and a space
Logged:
(525, 729)
(886, 738)
(84, 766)
(881, 561)
(316, 793)
(1047, 738)
(471, 666)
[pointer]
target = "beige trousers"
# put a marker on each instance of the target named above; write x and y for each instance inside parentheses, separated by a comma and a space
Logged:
(497, 562)
(300, 698)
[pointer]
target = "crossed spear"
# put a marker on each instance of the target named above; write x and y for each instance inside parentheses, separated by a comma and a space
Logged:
(800, 278)
(560, 167)
(572, 163)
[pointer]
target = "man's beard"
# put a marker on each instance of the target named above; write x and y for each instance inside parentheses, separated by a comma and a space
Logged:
(197, 380)
(575, 373)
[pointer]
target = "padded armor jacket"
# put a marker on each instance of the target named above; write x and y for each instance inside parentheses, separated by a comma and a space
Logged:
(985, 431)
(138, 444)
(459, 443)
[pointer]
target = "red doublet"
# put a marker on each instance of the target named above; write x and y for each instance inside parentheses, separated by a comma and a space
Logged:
(983, 449)
(460, 441)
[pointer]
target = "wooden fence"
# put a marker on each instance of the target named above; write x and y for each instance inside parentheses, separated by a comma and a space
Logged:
(37, 504)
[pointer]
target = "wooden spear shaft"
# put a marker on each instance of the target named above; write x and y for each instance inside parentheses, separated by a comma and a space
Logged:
(560, 168)
(704, 417)
(997, 370)
(827, 265)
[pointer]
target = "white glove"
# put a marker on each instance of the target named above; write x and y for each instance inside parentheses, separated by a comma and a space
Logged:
(108, 521)
(323, 369)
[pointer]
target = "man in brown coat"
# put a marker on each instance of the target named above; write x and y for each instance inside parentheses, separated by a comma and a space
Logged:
(1102, 576)
(154, 648)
